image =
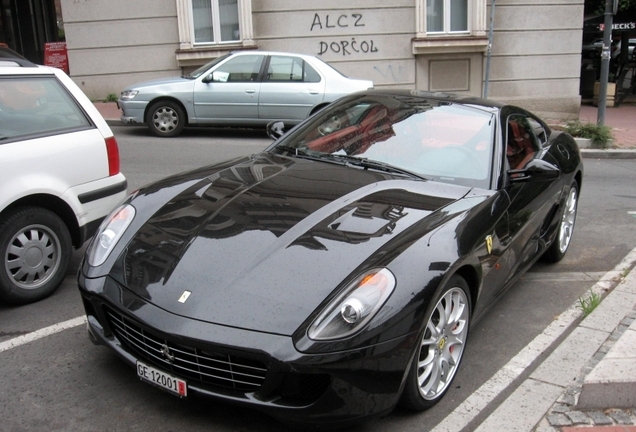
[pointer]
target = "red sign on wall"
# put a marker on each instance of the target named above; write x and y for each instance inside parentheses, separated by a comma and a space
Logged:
(55, 55)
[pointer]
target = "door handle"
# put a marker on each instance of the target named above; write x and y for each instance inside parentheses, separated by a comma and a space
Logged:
(314, 92)
(250, 91)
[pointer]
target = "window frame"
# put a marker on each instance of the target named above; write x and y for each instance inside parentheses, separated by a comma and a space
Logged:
(446, 31)
(191, 54)
(216, 25)
(474, 40)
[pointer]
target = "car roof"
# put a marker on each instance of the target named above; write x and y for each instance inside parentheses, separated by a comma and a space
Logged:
(489, 104)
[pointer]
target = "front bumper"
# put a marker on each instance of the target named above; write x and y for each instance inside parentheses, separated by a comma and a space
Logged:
(132, 111)
(338, 388)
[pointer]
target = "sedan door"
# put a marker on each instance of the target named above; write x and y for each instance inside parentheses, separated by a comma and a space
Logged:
(230, 90)
(290, 89)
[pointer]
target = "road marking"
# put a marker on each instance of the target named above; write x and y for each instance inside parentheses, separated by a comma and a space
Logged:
(43, 332)
(468, 410)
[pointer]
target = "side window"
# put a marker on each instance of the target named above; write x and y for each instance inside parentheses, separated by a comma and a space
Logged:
(521, 144)
(290, 69)
(35, 106)
(243, 68)
(539, 131)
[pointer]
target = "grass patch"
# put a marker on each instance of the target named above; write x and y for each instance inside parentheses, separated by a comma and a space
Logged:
(600, 135)
(112, 97)
(589, 303)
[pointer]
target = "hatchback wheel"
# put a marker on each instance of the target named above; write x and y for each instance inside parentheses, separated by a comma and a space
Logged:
(439, 350)
(36, 249)
(165, 119)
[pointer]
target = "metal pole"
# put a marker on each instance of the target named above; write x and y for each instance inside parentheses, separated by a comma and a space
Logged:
(490, 35)
(605, 62)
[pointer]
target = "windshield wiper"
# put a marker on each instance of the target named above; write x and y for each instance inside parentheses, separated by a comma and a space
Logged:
(300, 153)
(379, 166)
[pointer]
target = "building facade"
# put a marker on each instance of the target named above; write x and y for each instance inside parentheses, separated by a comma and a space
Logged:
(436, 45)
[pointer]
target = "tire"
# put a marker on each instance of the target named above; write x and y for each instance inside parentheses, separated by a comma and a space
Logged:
(561, 243)
(440, 348)
(165, 119)
(36, 248)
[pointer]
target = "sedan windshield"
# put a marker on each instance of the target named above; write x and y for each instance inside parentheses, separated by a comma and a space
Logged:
(412, 136)
(203, 69)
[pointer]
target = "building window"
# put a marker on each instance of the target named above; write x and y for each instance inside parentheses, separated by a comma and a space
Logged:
(215, 21)
(447, 16)
(210, 28)
(450, 26)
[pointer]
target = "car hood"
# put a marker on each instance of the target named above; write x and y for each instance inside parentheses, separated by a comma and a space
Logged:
(171, 81)
(261, 244)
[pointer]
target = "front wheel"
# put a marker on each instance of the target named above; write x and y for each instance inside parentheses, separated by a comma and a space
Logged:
(35, 246)
(559, 247)
(165, 119)
(440, 348)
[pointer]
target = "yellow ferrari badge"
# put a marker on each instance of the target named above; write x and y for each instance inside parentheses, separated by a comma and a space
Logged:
(489, 244)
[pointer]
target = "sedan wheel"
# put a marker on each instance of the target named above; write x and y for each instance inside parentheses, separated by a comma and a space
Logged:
(557, 250)
(36, 249)
(165, 119)
(441, 347)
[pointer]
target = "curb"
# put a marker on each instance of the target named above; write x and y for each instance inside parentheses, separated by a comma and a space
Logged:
(608, 153)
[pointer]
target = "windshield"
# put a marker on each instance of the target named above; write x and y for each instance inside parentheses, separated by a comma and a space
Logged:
(443, 141)
(203, 69)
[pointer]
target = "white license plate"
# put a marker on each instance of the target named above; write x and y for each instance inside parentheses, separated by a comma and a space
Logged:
(162, 379)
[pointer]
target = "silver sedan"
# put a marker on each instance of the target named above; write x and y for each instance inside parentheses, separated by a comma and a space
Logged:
(250, 87)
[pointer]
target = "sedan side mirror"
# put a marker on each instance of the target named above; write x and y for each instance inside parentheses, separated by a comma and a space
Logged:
(275, 129)
(535, 170)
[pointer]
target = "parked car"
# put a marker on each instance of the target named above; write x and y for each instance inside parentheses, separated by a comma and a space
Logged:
(338, 272)
(8, 56)
(59, 177)
(249, 87)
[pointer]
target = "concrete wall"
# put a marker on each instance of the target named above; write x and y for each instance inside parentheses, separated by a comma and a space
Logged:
(536, 55)
(114, 43)
(535, 52)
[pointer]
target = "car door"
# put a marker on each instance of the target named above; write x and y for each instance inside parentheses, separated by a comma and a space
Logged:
(532, 203)
(291, 88)
(230, 90)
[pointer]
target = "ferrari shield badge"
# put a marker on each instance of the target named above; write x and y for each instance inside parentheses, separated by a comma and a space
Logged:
(184, 296)
(489, 244)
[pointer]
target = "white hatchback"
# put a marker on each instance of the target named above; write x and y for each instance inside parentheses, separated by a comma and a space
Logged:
(59, 177)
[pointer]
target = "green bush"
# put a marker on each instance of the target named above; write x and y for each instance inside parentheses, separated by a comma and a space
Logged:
(112, 97)
(600, 135)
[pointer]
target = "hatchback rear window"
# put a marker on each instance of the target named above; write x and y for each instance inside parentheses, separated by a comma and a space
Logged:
(37, 106)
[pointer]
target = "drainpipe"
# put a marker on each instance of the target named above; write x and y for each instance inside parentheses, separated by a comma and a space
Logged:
(490, 34)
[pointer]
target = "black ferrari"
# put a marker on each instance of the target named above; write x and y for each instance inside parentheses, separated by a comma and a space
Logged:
(337, 273)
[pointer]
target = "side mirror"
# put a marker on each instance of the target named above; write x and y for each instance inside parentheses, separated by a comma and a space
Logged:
(275, 129)
(216, 76)
(535, 170)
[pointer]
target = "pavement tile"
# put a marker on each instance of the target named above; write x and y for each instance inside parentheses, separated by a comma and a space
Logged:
(565, 363)
(599, 418)
(523, 409)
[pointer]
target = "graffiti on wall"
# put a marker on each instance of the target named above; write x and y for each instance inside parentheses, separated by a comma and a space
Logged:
(345, 47)
(391, 73)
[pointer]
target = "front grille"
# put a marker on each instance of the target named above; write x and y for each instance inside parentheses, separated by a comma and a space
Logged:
(192, 363)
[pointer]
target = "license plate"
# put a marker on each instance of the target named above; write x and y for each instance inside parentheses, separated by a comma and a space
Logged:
(162, 379)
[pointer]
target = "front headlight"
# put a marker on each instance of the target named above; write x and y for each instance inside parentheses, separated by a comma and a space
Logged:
(128, 94)
(354, 307)
(108, 234)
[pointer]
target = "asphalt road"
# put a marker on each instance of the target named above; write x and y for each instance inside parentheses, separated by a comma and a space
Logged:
(64, 383)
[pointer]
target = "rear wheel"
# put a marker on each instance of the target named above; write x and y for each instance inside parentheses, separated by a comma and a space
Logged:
(440, 348)
(165, 119)
(35, 246)
(561, 243)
